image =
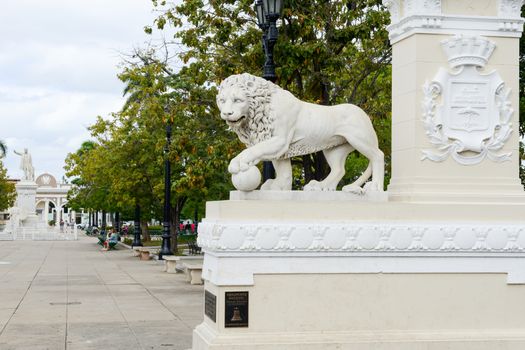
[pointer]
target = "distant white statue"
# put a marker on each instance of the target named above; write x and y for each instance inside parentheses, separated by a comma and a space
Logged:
(26, 165)
(275, 125)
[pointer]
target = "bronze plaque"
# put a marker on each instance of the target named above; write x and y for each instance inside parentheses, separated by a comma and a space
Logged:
(236, 309)
(210, 305)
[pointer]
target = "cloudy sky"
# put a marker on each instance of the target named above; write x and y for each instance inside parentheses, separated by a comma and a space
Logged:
(58, 66)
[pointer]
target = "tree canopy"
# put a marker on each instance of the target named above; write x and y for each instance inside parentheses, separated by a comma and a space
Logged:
(522, 102)
(3, 149)
(7, 190)
(124, 164)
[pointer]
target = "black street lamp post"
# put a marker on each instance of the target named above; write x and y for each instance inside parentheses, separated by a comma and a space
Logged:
(137, 242)
(268, 12)
(166, 222)
(117, 222)
(103, 228)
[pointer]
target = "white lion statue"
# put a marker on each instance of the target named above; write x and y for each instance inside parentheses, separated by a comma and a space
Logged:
(275, 126)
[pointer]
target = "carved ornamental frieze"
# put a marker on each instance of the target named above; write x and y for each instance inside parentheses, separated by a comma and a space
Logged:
(408, 17)
(340, 237)
(466, 111)
(510, 8)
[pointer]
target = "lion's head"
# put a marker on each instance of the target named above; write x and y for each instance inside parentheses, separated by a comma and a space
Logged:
(244, 102)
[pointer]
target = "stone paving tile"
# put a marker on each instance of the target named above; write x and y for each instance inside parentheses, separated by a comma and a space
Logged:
(101, 335)
(171, 335)
(48, 336)
(71, 295)
(5, 315)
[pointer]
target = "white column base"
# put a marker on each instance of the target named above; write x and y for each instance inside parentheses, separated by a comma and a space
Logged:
(364, 276)
(371, 312)
(204, 337)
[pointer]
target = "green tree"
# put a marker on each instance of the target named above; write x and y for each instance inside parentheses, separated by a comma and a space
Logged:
(522, 102)
(7, 190)
(89, 187)
(198, 168)
(3, 149)
(127, 162)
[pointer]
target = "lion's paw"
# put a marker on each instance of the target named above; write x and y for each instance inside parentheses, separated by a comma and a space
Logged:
(234, 167)
(267, 185)
(353, 189)
(276, 185)
(244, 166)
(312, 186)
(372, 186)
(315, 185)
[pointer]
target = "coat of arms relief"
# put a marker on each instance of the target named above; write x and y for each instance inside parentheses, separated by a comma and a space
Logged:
(466, 111)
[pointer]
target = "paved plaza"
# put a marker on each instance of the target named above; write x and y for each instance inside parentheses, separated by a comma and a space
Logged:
(71, 295)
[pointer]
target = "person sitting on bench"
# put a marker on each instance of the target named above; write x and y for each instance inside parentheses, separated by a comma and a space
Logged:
(111, 241)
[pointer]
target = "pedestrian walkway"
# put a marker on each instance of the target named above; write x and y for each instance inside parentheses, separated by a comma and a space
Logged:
(70, 295)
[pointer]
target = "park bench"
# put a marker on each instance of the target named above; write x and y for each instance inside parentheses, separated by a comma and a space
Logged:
(111, 243)
(146, 252)
(136, 251)
(193, 272)
(170, 263)
(174, 264)
(194, 248)
(101, 240)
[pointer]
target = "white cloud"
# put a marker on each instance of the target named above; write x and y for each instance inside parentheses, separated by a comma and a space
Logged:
(58, 69)
(51, 124)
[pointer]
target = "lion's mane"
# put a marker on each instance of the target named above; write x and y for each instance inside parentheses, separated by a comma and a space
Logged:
(259, 126)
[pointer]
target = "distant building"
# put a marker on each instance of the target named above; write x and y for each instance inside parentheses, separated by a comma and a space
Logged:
(51, 200)
(51, 204)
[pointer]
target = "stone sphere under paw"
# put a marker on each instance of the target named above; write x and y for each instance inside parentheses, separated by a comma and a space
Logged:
(247, 180)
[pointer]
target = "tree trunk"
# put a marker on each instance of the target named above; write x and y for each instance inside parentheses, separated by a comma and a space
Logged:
(117, 222)
(174, 229)
(307, 169)
(175, 217)
(321, 166)
(144, 229)
(103, 228)
(315, 167)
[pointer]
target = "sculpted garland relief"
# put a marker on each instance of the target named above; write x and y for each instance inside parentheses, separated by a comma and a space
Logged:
(466, 112)
(360, 237)
(275, 126)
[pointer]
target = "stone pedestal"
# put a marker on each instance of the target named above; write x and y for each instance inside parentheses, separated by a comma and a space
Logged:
(24, 222)
(343, 275)
(25, 200)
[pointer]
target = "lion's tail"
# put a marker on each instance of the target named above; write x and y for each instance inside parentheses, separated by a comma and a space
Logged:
(364, 176)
